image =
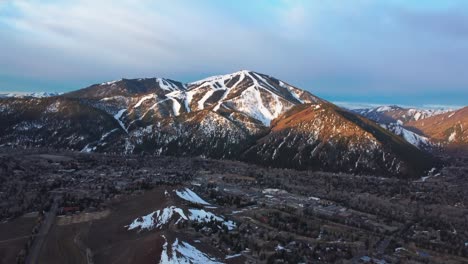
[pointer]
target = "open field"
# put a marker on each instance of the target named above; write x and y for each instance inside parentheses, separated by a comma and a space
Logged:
(14, 235)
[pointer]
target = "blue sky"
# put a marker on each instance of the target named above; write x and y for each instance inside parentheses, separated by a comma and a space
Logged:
(381, 52)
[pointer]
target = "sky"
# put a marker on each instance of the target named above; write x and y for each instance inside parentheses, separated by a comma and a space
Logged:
(352, 52)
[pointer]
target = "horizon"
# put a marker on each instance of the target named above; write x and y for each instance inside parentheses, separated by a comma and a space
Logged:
(377, 53)
(342, 103)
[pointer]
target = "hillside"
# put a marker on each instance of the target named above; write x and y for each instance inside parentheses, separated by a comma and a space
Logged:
(244, 115)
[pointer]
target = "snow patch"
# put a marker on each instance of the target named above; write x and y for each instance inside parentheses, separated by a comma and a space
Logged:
(200, 215)
(157, 219)
(411, 137)
(175, 107)
(251, 103)
(219, 77)
(201, 103)
(233, 256)
(190, 196)
(118, 116)
(166, 85)
(452, 136)
(183, 252)
(144, 98)
(111, 82)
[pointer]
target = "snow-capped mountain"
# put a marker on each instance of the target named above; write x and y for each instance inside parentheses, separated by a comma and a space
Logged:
(247, 98)
(244, 115)
(423, 128)
(450, 128)
(256, 95)
(393, 113)
(28, 94)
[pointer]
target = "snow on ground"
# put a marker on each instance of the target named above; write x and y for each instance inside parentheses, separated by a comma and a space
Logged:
(225, 94)
(413, 138)
(88, 149)
(118, 116)
(201, 103)
(250, 102)
(166, 84)
(411, 113)
(217, 83)
(107, 134)
(175, 107)
(200, 215)
(219, 77)
(417, 116)
(452, 136)
(233, 256)
(157, 219)
(183, 252)
(291, 91)
(111, 82)
(27, 94)
(190, 196)
(274, 191)
(144, 98)
(53, 108)
(265, 82)
(188, 100)
(173, 96)
(383, 108)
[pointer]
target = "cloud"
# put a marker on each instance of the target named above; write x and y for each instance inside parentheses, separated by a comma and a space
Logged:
(121, 36)
(329, 47)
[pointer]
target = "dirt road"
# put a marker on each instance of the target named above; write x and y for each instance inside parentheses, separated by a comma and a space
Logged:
(38, 242)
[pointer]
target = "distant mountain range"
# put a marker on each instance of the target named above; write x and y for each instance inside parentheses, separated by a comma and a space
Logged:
(27, 94)
(423, 128)
(245, 116)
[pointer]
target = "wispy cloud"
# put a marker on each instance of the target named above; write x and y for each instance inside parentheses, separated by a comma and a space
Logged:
(329, 47)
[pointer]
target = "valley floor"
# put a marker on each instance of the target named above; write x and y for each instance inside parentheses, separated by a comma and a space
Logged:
(156, 209)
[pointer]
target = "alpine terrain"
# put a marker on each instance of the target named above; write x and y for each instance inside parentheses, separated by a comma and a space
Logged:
(426, 129)
(245, 115)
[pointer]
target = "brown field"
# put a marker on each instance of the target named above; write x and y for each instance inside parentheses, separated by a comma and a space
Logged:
(13, 237)
(102, 237)
(80, 218)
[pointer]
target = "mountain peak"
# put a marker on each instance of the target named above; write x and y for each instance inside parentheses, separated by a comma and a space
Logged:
(221, 77)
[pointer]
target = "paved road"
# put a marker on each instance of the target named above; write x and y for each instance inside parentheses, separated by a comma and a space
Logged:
(38, 242)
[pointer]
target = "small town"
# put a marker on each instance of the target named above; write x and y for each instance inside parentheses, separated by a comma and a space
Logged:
(328, 217)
